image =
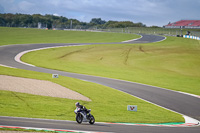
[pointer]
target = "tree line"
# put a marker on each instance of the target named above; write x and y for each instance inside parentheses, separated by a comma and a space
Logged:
(52, 21)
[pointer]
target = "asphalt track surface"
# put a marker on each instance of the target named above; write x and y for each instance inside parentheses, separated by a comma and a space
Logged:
(181, 103)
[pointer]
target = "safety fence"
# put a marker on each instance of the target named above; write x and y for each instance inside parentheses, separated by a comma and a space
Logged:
(156, 31)
(144, 30)
(195, 33)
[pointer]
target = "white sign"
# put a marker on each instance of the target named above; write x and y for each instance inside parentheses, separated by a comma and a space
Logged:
(55, 76)
(132, 108)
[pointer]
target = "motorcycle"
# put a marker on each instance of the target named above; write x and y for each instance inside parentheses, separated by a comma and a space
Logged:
(84, 116)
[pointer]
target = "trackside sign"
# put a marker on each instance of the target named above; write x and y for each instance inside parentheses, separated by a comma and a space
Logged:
(55, 75)
(132, 108)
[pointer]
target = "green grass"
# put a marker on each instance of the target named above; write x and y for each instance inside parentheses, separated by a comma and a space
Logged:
(116, 61)
(108, 105)
(18, 130)
(27, 36)
(172, 64)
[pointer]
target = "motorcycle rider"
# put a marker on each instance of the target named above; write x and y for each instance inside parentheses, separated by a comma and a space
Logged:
(82, 108)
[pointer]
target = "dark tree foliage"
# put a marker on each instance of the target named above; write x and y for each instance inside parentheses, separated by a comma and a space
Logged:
(51, 21)
(97, 21)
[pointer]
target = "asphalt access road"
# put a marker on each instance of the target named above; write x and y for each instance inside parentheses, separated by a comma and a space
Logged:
(184, 104)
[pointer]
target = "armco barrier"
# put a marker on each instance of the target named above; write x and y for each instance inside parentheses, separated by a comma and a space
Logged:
(191, 37)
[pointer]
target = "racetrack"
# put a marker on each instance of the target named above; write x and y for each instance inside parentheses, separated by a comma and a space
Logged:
(181, 103)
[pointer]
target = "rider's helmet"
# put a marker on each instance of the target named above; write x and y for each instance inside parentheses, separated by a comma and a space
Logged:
(77, 104)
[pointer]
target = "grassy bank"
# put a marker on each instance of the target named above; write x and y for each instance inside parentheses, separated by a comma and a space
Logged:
(173, 63)
(27, 36)
(108, 105)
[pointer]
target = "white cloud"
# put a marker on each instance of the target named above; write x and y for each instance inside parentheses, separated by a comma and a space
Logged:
(55, 14)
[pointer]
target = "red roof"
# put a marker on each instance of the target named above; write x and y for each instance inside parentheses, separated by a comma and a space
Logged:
(185, 23)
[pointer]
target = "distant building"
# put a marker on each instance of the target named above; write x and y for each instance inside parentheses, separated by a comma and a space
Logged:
(187, 24)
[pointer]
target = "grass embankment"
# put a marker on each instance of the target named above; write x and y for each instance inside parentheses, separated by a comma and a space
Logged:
(173, 63)
(108, 105)
(30, 36)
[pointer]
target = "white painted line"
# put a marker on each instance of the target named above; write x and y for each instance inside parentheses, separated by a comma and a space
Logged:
(189, 122)
(133, 39)
(6, 66)
(18, 56)
(146, 85)
(142, 36)
(189, 94)
(187, 118)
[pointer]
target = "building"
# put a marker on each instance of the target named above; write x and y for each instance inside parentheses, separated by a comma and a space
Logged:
(187, 24)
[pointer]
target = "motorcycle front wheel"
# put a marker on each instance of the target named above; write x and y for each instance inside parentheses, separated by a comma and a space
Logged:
(79, 118)
(92, 119)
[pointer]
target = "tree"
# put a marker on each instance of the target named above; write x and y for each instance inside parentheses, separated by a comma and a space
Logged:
(52, 21)
(97, 21)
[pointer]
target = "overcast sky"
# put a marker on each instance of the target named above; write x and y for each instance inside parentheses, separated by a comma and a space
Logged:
(149, 12)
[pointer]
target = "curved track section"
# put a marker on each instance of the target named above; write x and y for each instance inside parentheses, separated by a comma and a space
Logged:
(178, 102)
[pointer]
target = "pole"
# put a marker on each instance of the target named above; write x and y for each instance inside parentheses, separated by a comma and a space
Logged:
(71, 25)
